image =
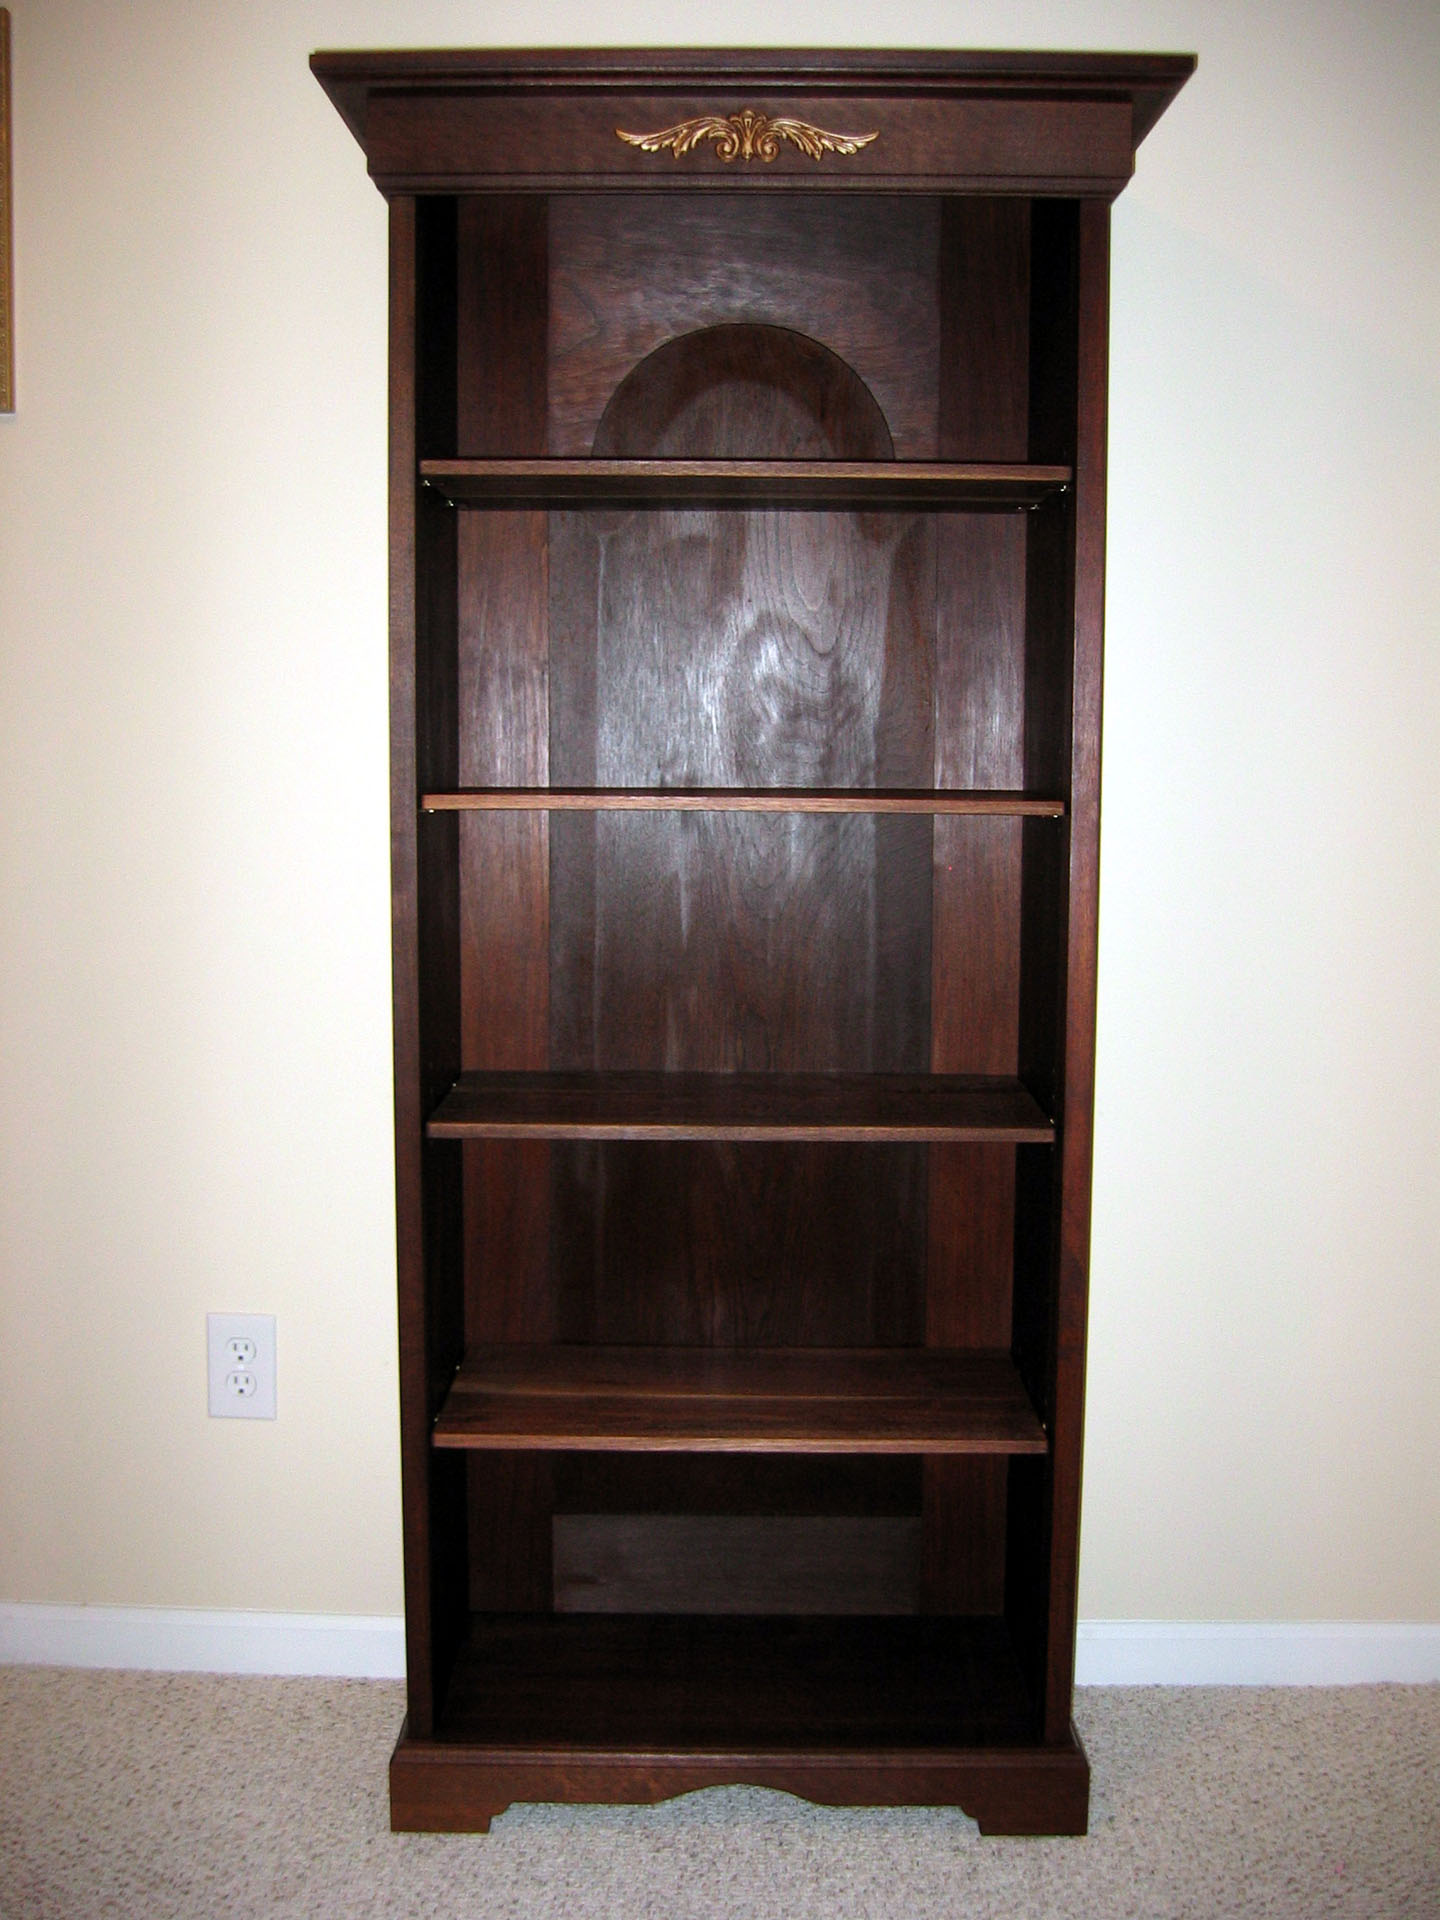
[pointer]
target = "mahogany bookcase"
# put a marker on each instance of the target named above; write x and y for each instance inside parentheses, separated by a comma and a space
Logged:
(746, 542)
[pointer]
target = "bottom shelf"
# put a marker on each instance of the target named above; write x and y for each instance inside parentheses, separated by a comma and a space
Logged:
(637, 1708)
(677, 1681)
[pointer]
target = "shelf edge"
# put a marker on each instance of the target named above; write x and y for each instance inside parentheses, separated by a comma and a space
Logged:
(752, 800)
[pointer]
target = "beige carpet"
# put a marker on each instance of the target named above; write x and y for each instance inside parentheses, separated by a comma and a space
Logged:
(153, 1795)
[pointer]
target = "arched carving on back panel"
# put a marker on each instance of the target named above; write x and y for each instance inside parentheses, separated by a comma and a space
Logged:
(744, 392)
(750, 648)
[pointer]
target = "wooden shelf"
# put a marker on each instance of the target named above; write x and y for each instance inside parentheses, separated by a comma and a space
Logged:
(880, 1107)
(737, 800)
(759, 1400)
(835, 484)
(674, 1683)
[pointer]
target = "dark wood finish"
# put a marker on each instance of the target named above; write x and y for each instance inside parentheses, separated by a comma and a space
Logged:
(784, 1107)
(426, 1037)
(415, 1460)
(632, 272)
(984, 405)
(731, 1244)
(736, 1563)
(735, 800)
(1148, 81)
(868, 1712)
(738, 1484)
(443, 143)
(875, 484)
(745, 847)
(794, 650)
(501, 276)
(460, 1786)
(693, 1399)
(1073, 1149)
(737, 1684)
(846, 1712)
(752, 1532)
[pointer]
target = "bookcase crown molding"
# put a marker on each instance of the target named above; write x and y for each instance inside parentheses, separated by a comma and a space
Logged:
(434, 121)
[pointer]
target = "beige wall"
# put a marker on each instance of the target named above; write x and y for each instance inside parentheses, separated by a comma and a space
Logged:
(193, 957)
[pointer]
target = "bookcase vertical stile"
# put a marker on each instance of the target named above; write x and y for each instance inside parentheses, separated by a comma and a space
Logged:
(983, 413)
(502, 294)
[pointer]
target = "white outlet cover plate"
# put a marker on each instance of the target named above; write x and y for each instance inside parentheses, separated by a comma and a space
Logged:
(225, 1402)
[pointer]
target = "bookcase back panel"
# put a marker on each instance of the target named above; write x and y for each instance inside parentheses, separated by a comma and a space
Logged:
(768, 1533)
(740, 649)
(808, 952)
(693, 1244)
(747, 648)
(727, 1564)
(629, 274)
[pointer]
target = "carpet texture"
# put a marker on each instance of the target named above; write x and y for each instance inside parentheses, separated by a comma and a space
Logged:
(156, 1795)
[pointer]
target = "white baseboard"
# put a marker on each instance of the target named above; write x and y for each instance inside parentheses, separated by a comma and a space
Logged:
(182, 1640)
(1245, 1653)
(1110, 1653)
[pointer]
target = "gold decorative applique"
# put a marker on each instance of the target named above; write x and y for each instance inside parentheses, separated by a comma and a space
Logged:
(747, 135)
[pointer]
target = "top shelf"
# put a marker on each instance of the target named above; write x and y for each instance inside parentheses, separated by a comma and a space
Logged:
(984, 486)
(621, 1104)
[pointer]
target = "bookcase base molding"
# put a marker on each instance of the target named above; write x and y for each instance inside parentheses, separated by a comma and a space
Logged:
(445, 1789)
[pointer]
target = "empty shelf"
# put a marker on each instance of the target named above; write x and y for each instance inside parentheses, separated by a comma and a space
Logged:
(930, 800)
(889, 1107)
(836, 484)
(767, 1400)
(686, 1683)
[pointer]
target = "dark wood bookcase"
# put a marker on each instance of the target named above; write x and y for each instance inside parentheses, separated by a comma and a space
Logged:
(747, 522)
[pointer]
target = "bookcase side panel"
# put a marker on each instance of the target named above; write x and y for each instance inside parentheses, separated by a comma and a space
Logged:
(1076, 1116)
(426, 974)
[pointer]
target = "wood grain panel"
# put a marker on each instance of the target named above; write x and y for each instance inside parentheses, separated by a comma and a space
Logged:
(675, 1399)
(1075, 1146)
(1147, 81)
(976, 486)
(984, 329)
(980, 661)
(931, 297)
(627, 275)
(502, 274)
(721, 1483)
(503, 594)
(741, 649)
(435, 1596)
(735, 800)
(805, 948)
(732, 1563)
(446, 141)
(642, 1104)
(735, 1684)
(459, 1785)
(740, 1245)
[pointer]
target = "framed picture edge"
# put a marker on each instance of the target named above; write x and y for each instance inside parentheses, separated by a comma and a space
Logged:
(7, 229)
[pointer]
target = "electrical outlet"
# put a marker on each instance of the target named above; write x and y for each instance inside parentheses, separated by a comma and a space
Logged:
(241, 1351)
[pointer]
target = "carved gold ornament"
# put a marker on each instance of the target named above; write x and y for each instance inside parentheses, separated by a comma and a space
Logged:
(747, 135)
